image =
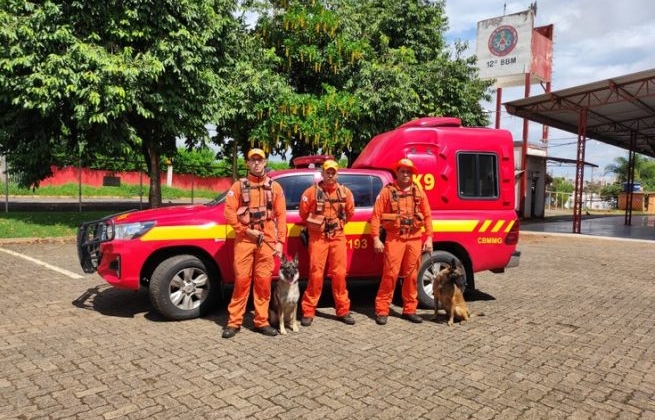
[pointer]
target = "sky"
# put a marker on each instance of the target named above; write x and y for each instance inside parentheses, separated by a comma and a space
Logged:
(593, 40)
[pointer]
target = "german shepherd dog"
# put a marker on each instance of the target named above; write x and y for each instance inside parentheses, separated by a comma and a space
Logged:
(448, 295)
(284, 303)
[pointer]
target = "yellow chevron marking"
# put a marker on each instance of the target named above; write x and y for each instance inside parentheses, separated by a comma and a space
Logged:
(499, 224)
(509, 226)
(485, 226)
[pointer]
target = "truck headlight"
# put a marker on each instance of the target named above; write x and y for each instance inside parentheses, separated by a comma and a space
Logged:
(132, 230)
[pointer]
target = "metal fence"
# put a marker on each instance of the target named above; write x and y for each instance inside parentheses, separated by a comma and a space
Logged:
(557, 200)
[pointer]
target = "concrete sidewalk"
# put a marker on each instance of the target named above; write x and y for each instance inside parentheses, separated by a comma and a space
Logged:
(569, 334)
(642, 226)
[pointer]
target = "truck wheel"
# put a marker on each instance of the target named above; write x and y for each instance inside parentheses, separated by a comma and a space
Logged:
(431, 264)
(182, 288)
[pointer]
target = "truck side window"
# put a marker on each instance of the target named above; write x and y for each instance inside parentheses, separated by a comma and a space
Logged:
(293, 187)
(477, 175)
(365, 188)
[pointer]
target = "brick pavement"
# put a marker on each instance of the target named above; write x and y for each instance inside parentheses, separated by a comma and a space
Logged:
(570, 334)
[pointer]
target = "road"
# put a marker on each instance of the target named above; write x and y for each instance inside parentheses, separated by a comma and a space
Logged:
(570, 334)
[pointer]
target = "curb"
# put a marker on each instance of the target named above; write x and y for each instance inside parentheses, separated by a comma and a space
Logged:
(58, 239)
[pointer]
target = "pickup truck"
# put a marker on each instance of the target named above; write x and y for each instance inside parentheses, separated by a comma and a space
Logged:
(183, 254)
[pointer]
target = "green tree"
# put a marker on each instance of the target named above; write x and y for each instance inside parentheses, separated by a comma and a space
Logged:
(412, 72)
(357, 68)
(610, 191)
(201, 162)
(561, 184)
(313, 58)
(561, 190)
(111, 77)
(252, 85)
(644, 170)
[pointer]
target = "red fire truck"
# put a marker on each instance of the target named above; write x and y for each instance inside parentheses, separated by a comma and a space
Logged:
(183, 254)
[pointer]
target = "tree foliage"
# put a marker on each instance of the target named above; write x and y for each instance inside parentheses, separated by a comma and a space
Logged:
(114, 78)
(644, 170)
(357, 68)
(109, 77)
(561, 184)
(251, 84)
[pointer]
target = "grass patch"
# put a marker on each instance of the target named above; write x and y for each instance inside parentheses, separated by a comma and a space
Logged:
(46, 224)
(52, 224)
(124, 191)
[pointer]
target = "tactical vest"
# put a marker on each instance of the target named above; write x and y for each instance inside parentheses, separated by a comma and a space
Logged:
(253, 215)
(400, 221)
(317, 222)
(341, 199)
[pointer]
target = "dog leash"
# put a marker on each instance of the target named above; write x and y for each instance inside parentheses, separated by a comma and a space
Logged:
(260, 240)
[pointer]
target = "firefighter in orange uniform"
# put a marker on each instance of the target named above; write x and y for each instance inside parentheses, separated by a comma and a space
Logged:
(255, 207)
(402, 209)
(326, 208)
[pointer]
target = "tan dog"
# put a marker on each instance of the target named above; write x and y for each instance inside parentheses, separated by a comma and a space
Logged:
(284, 303)
(448, 295)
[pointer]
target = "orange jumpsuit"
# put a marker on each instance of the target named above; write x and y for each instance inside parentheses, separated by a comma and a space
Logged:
(402, 247)
(327, 246)
(253, 261)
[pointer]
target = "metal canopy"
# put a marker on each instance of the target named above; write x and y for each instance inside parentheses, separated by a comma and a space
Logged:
(616, 109)
(570, 161)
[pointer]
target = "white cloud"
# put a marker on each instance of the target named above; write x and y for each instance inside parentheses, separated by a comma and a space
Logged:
(593, 40)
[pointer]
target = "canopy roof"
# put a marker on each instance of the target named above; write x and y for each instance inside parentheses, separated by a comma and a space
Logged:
(569, 161)
(617, 109)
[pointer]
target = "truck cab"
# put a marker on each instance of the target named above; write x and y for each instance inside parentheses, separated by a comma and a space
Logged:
(183, 254)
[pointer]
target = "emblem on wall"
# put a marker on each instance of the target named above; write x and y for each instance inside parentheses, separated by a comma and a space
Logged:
(503, 40)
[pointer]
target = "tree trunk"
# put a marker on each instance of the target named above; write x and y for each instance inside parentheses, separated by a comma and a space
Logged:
(235, 162)
(154, 197)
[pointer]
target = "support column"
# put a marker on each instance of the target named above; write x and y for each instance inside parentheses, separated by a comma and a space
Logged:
(631, 179)
(524, 154)
(579, 171)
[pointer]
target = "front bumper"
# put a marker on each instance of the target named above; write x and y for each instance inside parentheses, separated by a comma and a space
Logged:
(89, 237)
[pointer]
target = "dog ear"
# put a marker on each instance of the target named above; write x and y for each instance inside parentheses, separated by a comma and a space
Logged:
(283, 258)
(295, 258)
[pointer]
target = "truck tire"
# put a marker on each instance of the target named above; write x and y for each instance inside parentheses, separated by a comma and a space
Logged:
(181, 288)
(431, 264)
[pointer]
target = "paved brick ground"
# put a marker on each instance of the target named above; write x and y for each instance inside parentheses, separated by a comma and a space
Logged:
(570, 334)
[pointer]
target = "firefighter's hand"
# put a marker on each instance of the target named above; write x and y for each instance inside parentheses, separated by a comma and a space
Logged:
(254, 234)
(279, 248)
(378, 246)
(427, 245)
